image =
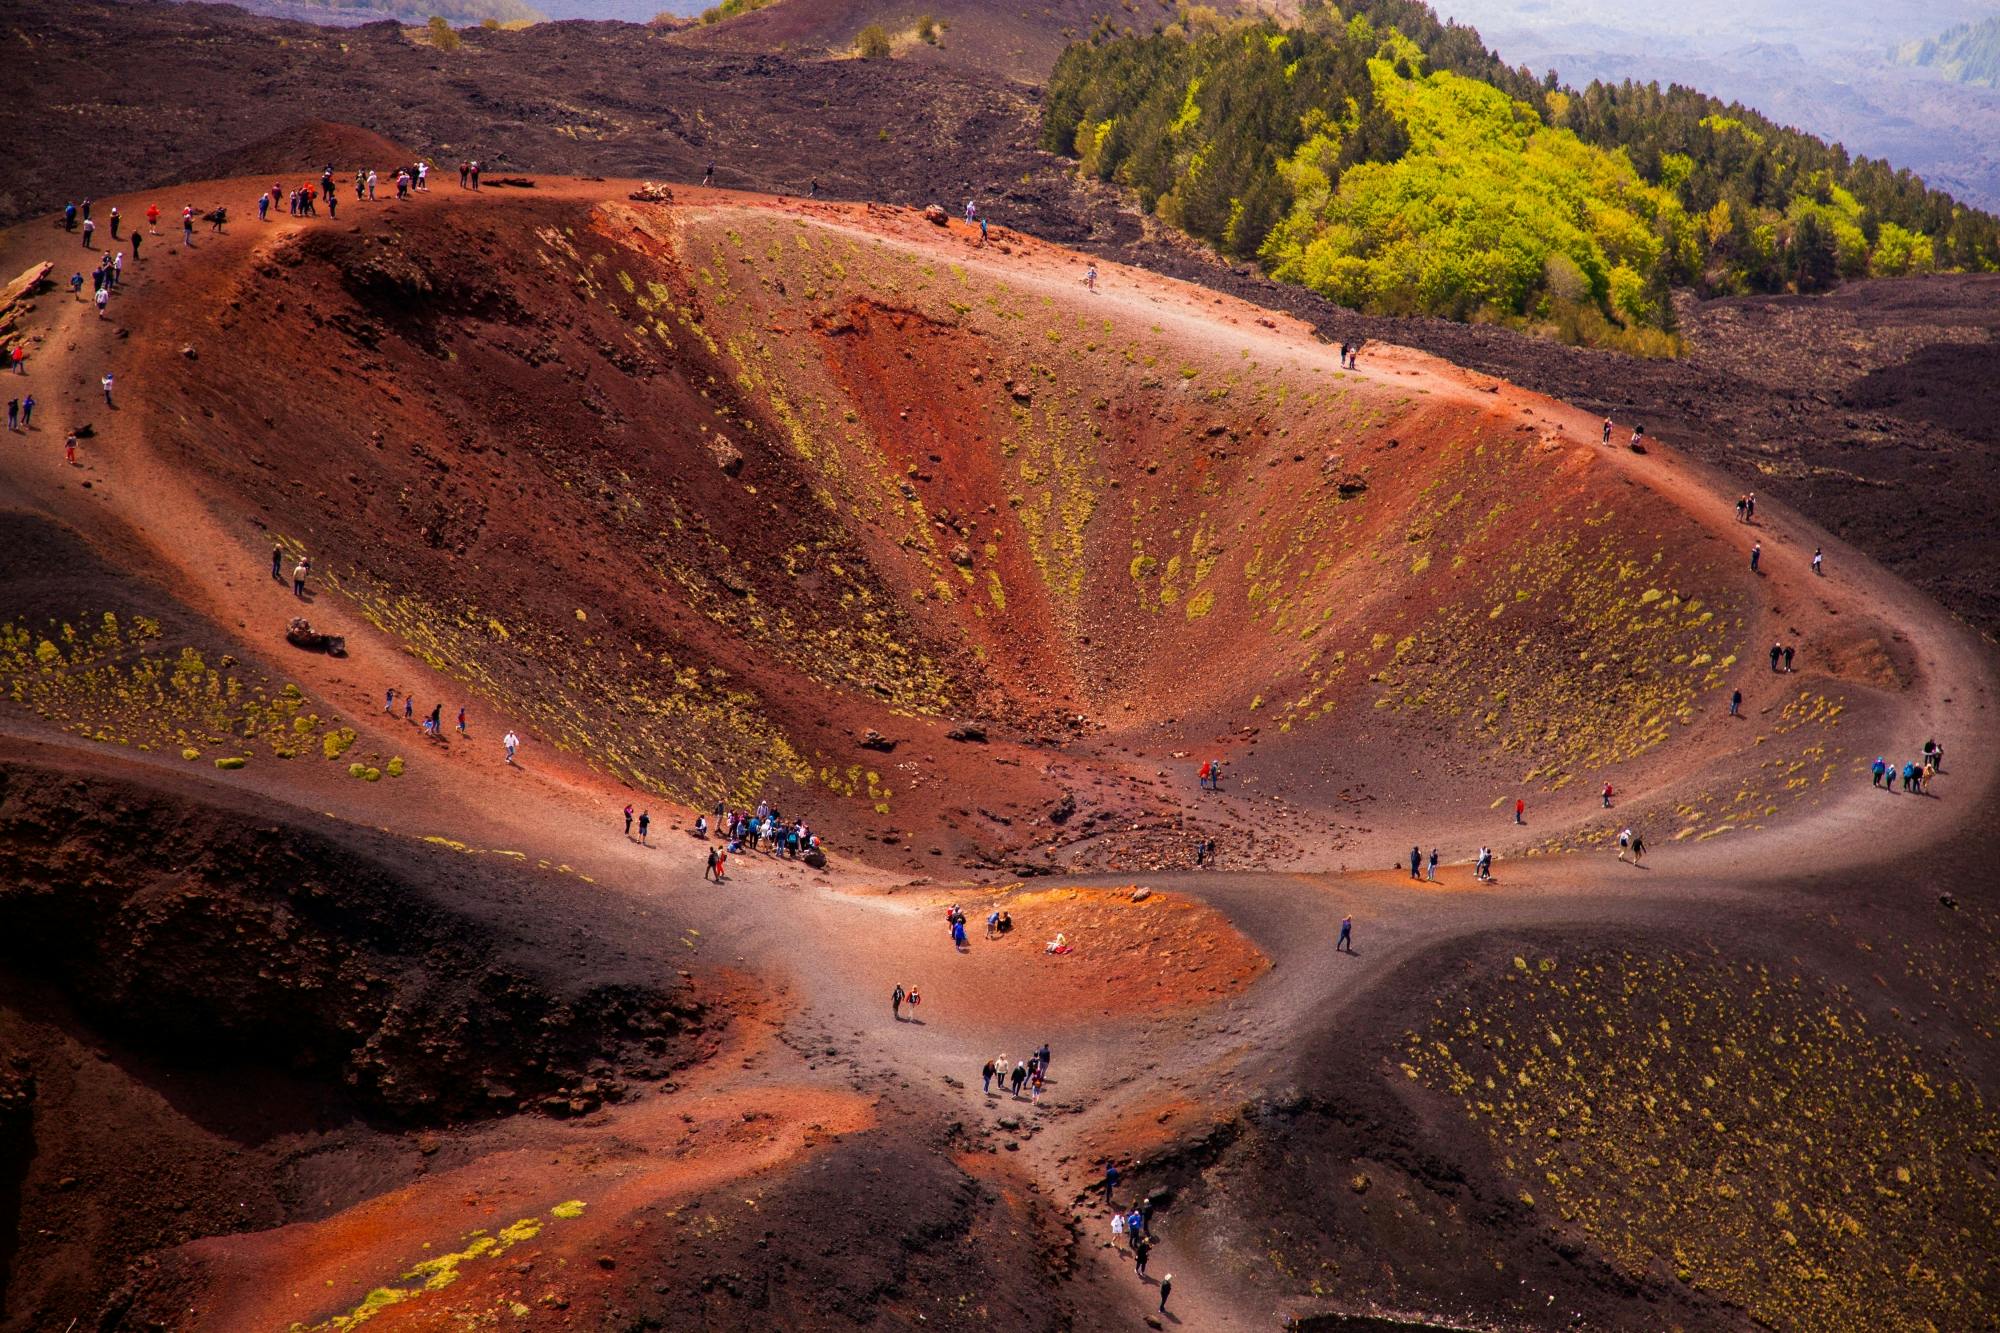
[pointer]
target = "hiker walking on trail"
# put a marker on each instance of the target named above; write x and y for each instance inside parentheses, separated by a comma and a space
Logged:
(986, 1077)
(107, 390)
(1756, 555)
(645, 823)
(1736, 703)
(1520, 810)
(136, 239)
(1018, 1077)
(1607, 430)
(89, 234)
(461, 721)
(1624, 842)
(708, 174)
(1090, 277)
(628, 819)
(1166, 1290)
(103, 298)
(896, 998)
(1638, 848)
(1607, 796)
(1788, 657)
(1141, 1247)
(1750, 507)
(512, 744)
(278, 574)
(1416, 864)
(1818, 562)
(1434, 865)
(982, 231)
(409, 708)
(28, 412)
(299, 579)
(1739, 507)
(1345, 944)
(153, 218)
(114, 222)
(1777, 651)
(1110, 1181)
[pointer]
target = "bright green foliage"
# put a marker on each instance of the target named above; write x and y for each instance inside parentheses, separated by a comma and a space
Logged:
(1488, 212)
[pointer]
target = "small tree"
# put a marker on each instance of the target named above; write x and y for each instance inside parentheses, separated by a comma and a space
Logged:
(441, 35)
(872, 43)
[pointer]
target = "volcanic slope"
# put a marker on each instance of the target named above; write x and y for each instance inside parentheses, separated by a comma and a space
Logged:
(708, 493)
(695, 496)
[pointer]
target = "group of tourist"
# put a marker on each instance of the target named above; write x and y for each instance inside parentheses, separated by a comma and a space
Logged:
(767, 828)
(1029, 1076)
(1915, 774)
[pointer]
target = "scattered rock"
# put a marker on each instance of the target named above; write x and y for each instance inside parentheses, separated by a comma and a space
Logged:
(1140, 895)
(726, 455)
(936, 215)
(973, 735)
(875, 740)
(652, 192)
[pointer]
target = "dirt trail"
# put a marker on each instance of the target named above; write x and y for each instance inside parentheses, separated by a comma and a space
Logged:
(835, 948)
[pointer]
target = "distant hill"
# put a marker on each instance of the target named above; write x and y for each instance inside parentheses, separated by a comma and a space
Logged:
(1393, 163)
(455, 12)
(1968, 53)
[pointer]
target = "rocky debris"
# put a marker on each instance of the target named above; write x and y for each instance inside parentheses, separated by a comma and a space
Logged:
(25, 283)
(1141, 894)
(936, 216)
(188, 351)
(875, 740)
(725, 453)
(14, 296)
(961, 555)
(968, 733)
(300, 634)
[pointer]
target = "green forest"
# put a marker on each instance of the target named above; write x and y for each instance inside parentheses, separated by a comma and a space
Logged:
(1391, 162)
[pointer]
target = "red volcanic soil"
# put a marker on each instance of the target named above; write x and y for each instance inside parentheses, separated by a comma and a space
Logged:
(734, 500)
(817, 477)
(1121, 957)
